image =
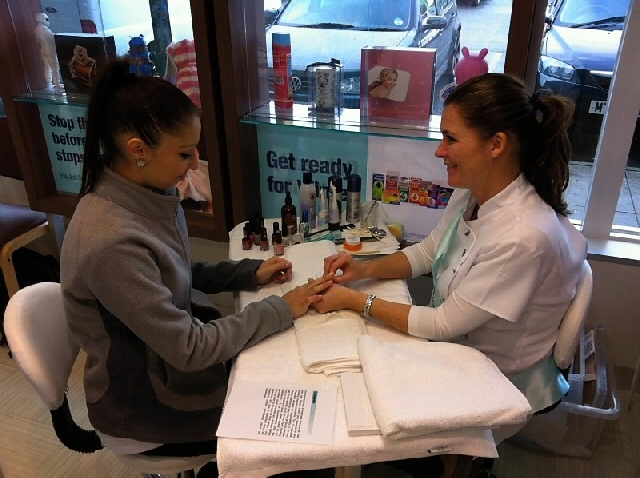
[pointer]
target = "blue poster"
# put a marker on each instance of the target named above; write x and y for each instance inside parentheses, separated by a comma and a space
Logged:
(285, 153)
(65, 130)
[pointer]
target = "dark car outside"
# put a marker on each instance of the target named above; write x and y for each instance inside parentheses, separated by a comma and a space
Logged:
(324, 29)
(577, 59)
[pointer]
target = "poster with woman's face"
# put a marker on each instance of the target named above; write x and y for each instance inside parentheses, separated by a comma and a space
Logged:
(389, 83)
(396, 85)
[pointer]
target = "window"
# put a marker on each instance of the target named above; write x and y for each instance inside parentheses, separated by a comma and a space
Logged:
(578, 57)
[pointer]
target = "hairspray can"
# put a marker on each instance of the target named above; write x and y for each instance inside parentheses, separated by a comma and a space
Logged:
(354, 184)
(281, 49)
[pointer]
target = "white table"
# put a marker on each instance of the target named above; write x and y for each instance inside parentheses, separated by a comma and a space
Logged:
(276, 359)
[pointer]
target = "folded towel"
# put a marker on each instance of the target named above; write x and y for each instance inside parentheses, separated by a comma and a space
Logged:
(328, 343)
(446, 387)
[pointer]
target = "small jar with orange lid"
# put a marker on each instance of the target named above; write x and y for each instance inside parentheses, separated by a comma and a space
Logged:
(352, 243)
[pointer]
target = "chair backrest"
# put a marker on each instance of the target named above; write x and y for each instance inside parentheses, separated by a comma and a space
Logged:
(40, 339)
(572, 323)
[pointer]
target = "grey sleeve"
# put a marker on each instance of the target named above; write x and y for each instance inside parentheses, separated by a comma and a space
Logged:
(225, 275)
(126, 281)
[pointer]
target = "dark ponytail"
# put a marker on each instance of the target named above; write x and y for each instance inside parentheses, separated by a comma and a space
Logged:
(496, 102)
(121, 102)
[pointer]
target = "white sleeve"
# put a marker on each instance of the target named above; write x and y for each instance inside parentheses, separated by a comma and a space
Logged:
(450, 320)
(420, 255)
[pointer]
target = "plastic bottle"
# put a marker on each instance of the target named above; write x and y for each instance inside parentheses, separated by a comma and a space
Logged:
(336, 181)
(322, 213)
(288, 217)
(354, 184)
(282, 70)
(308, 198)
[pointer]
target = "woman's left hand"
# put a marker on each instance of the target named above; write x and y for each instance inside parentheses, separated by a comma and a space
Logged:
(275, 269)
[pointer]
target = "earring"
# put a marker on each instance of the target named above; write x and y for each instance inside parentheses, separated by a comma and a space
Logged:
(141, 163)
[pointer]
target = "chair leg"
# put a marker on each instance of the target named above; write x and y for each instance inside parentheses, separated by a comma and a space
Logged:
(8, 271)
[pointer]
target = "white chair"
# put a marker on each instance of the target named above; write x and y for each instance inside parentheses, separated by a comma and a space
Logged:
(45, 350)
(572, 323)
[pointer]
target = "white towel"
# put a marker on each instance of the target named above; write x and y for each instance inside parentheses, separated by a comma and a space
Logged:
(328, 343)
(445, 387)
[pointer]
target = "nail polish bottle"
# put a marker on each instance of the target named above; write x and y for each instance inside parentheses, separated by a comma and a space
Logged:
(264, 240)
(247, 240)
(276, 229)
(278, 245)
(257, 228)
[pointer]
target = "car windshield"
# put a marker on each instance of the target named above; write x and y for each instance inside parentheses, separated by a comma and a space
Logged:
(349, 14)
(602, 14)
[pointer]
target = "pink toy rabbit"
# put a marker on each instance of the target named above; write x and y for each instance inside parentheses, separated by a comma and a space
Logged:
(471, 66)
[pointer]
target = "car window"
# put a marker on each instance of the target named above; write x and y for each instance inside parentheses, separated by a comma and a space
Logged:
(578, 12)
(443, 6)
(427, 6)
(356, 14)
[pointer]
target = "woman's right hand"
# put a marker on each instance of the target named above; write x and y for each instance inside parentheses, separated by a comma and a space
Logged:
(300, 298)
(352, 269)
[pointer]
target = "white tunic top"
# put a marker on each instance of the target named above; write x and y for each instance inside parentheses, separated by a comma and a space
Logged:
(520, 261)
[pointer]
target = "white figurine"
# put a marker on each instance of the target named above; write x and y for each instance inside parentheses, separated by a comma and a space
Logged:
(48, 52)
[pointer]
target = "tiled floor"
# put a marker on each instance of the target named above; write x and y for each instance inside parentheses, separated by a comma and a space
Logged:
(628, 209)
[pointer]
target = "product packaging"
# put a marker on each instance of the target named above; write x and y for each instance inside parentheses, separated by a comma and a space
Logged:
(415, 189)
(391, 194)
(377, 186)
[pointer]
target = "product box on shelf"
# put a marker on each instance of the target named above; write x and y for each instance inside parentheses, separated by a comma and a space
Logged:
(572, 428)
(396, 85)
(81, 56)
